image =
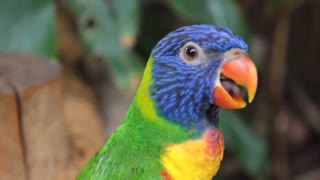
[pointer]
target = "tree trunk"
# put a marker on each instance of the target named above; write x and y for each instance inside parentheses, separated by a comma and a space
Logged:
(11, 156)
(33, 143)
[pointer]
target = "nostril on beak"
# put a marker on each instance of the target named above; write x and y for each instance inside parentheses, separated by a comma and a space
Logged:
(236, 53)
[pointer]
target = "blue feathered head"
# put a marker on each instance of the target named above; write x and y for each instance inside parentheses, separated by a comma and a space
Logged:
(198, 68)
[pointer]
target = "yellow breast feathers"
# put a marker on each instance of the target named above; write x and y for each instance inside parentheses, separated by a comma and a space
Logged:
(195, 159)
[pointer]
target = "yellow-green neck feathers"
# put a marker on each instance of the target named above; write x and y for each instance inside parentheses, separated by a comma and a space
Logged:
(143, 97)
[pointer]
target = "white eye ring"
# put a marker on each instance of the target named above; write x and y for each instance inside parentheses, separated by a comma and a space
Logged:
(191, 53)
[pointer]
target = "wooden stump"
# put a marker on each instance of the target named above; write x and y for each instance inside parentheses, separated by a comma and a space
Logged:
(33, 137)
(11, 153)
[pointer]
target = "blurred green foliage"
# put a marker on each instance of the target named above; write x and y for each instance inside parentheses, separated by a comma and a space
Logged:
(110, 29)
(27, 26)
(218, 12)
(249, 148)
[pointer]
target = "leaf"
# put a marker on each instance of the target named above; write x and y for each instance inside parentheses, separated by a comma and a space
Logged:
(250, 150)
(227, 13)
(27, 26)
(191, 10)
(127, 16)
(109, 30)
(126, 73)
(218, 12)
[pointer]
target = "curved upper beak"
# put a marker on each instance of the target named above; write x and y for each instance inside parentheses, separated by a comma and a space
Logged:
(240, 73)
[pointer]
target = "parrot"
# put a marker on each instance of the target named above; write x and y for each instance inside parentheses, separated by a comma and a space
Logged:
(171, 129)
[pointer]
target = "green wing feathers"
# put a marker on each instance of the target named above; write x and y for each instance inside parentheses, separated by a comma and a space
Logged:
(133, 152)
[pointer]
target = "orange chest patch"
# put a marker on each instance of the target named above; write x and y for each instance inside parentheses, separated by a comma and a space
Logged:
(195, 159)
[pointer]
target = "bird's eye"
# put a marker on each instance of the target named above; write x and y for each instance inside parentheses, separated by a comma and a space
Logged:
(190, 53)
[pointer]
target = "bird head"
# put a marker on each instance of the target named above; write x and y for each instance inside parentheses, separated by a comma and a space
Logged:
(197, 67)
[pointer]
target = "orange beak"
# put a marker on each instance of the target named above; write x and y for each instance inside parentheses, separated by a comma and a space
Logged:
(239, 72)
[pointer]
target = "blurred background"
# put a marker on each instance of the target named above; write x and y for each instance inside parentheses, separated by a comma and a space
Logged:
(103, 46)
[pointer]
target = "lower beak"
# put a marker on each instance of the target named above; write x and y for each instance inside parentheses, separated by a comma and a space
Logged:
(239, 72)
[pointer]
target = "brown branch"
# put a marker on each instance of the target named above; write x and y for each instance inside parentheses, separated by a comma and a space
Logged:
(276, 81)
(308, 109)
(279, 121)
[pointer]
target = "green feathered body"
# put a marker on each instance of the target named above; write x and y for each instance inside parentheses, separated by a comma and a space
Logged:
(134, 150)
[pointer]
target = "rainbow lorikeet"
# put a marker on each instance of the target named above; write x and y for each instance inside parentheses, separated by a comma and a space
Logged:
(171, 128)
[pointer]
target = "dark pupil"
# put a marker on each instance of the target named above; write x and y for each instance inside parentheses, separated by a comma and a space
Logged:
(191, 52)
